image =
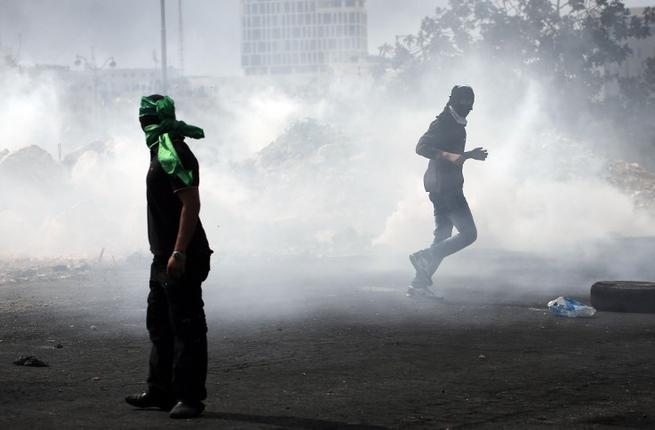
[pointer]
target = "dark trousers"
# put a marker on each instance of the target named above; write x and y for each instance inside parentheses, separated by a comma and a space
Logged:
(450, 210)
(178, 331)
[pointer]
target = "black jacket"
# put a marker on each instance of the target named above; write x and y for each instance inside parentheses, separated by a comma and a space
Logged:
(448, 135)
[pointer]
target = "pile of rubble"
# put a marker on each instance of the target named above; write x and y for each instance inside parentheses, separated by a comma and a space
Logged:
(27, 270)
(635, 180)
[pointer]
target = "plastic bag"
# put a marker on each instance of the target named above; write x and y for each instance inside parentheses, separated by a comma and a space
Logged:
(568, 307)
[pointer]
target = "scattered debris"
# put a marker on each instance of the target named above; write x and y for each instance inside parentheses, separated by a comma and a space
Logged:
(30, 361)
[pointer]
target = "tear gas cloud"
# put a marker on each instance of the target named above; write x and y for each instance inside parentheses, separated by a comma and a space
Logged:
(323, 169)
(350, 185)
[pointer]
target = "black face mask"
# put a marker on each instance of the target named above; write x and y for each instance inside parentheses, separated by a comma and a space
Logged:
(461, 100)
(463, 108)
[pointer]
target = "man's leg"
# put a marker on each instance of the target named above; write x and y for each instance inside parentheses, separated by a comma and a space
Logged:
(443, 231)
(424, 260)
(458, 212)
(161, 336)
(190, 332)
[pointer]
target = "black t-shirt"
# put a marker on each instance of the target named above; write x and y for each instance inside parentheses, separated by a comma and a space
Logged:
(445, 134)
(164, 206)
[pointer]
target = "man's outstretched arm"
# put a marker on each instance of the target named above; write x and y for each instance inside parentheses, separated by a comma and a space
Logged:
(459, 159)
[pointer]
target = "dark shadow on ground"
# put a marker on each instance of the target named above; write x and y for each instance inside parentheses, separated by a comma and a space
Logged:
(631, 420)
(290, 422)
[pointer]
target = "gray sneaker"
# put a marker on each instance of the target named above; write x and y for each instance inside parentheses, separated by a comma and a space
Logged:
(422, 267)
(421, 262)
(424, 293)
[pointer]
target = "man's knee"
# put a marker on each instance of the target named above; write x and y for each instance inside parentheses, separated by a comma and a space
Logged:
(470, 235)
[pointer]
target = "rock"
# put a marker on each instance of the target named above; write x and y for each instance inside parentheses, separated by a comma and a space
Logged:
(95, 378)
(93, 327)
(59, 346)
(482, 357)
(30, 361)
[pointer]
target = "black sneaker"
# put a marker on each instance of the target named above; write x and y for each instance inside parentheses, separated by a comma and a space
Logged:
(187, 410)
(148, 400)
(423, 293)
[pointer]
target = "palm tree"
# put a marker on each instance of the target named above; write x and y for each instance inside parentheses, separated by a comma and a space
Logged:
(409, 40)
(385, 50)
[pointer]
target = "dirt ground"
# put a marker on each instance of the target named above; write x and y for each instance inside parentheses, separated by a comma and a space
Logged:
(334, 345)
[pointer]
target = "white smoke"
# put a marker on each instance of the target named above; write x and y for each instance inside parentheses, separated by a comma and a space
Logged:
(357, 191)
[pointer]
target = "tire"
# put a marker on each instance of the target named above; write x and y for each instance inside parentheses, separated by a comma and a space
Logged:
(623, 296)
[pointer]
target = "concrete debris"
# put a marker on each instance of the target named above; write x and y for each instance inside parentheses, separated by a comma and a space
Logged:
(635, 180)
(30, 361)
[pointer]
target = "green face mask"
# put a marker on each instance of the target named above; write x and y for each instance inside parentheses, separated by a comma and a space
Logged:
(160, 134)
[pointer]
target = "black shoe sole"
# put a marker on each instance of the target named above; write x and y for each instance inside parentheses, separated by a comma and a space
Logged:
(162, 406)
(196, 414)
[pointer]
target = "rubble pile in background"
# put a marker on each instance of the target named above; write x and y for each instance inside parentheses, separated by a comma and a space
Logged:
(32, 166)
(634, 180)
(25, 270)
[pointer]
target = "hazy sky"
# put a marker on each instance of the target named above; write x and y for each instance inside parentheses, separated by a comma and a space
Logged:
(54, 31)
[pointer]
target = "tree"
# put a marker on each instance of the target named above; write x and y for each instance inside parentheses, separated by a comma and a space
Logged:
(579, 41)
(573, 49)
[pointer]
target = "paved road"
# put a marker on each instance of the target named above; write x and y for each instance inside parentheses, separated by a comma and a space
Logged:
(335, 345)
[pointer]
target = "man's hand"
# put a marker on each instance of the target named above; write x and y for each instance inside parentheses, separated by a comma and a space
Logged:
(176, 267)
(477, 154)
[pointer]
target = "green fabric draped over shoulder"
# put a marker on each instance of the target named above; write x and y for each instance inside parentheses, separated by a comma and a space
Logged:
(160, 134)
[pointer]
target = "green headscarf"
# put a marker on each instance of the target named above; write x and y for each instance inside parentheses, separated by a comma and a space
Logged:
(161, 133)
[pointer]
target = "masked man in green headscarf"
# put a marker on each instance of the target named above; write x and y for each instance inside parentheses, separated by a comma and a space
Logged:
(175, 317)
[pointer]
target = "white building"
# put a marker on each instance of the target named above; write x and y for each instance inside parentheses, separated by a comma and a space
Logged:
(302, 36)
